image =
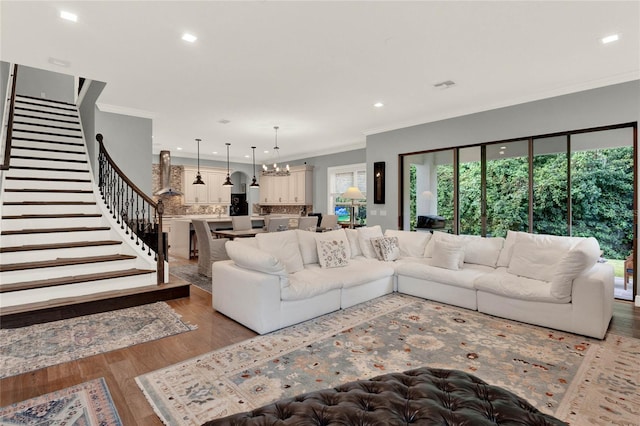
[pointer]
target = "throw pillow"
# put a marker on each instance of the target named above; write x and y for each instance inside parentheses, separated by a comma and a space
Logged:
(448, 256)
(411, 244)
(284, 246)
(255, 259)
(386, 248)
(579, 259)
(364, 239)
(352, 236)
(332, 253)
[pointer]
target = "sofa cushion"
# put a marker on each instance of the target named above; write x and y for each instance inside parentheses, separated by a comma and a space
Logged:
(386, 248)
(308, 246)
(352, 236)
(483, 250)
(332, 253)
(284, 246)
(543, 240)
(530, 261)
(411, 244)
(255, 259)
(579, 259)
(359, 271)
(309, 282)
(447, 256)
(502, 283)
(426, 271)
(364, 239)
(248, 241)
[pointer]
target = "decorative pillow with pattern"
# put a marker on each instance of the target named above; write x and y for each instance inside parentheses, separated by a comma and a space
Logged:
(332, 253)
(386, 248)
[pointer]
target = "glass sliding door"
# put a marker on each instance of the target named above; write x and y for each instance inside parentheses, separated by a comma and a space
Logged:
(550, 190)
(602, 196)
(470, 191)
(507, 188)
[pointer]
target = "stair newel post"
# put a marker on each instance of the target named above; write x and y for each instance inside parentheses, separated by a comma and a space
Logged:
(160, 252)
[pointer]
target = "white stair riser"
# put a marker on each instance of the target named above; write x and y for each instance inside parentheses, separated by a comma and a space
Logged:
(34, 128)
(58, 222)
(51, 208)
(61, 165)
(53, 237)
(40, 255)
(48, 196)
(82, 174)
(49, 113)
(75, 290)
(11, 277)
(36, 119)
(44, 107)
(17, 151)
(47, 184)
(48, 138)
(16, 144)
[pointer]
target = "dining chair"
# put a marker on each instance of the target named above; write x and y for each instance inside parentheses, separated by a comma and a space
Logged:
(329, 221)
(278, 224)
(209, 249)
(308, 223)
(628, 270)
(241, 223)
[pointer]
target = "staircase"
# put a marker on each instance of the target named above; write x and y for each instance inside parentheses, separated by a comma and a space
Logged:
(58, 244)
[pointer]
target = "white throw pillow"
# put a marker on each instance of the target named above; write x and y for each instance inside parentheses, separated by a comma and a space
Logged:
(448, 256)
(532, 261)
(386, 248)
(255, 259)
(579, 259)
(364, 236)
(332, 253)
(352, 235)
(284, 246)
(411, 244)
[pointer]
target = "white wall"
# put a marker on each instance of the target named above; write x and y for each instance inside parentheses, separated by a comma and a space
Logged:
(604, 106)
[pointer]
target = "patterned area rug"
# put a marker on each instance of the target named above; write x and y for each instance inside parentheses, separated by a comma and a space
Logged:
(85, 404)
(550, 369)
(42, 345)
(189, 273)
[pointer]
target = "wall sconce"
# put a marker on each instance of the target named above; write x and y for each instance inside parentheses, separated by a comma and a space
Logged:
(378, 182)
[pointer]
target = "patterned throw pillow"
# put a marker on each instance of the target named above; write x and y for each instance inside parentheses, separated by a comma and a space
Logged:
(332, 253)
(386, 248)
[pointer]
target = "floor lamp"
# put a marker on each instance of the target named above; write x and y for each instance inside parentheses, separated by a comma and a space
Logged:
(353, 194)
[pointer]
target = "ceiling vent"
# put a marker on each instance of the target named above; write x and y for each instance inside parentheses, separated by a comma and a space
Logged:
(444, 84)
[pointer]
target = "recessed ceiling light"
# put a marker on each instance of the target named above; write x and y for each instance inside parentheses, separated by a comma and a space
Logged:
(179, 148)
(266, 151)
(503, 147)
(189, 37)
(610, 38)
(378, 105)
(59, 62)
(214, 152)
(69, 16)
(501, 152)
(247, 156)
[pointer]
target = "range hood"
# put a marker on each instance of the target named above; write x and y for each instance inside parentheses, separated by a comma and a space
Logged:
(165, 175)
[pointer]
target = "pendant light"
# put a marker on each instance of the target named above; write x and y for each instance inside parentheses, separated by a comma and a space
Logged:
(198, 180)
(227, 181)
(254, 182)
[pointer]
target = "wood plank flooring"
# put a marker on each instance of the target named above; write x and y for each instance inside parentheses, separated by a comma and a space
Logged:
(119, 368)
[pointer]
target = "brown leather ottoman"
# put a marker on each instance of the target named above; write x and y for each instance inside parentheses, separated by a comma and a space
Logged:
(424, 396)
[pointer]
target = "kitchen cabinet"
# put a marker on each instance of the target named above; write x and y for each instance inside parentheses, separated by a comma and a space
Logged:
(295, 189)
(212, 192)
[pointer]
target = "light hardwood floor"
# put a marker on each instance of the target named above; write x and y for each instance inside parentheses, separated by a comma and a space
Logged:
(119, 368)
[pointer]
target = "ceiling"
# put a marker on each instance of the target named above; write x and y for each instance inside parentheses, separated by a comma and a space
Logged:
(315, 69)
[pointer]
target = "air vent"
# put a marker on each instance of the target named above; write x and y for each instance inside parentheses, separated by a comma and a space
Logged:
(444, 84)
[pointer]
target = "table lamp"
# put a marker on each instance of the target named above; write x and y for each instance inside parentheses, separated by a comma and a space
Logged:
(352, 193)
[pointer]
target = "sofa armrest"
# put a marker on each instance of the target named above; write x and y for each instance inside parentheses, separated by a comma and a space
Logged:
(592, 298)
(251, 298)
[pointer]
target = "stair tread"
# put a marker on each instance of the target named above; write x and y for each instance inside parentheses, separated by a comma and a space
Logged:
(52, 230)
(47, 125)
(63, 114)
(31, 157)
(49, 203)
(37, 132)
(53, 101)
(48, 169)
(19, 138)
(57, 191)
(35, 117)
(59, 245)
(46, 179)
(74, 279)
(52, 215)
(32, 148)
(64, 261)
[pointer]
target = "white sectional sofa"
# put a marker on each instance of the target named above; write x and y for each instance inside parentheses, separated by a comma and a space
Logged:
(283, 278)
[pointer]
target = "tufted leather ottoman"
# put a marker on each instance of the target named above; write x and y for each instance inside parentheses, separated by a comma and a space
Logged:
(424, 396)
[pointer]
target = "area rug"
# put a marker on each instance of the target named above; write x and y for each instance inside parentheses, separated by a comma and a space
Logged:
(42, 345)
(398, 333)
(85, 404)
(189, 273)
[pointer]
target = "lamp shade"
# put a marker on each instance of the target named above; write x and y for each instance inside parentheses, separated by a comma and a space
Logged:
(353, 193)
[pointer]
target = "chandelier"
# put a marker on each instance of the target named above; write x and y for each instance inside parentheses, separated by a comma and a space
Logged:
(275, 170)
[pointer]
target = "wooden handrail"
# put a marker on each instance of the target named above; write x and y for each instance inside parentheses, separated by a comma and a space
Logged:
(9, 134)
(158, 207)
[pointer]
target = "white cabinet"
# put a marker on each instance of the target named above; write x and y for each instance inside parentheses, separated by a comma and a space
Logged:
(212, 192)
(295, 189)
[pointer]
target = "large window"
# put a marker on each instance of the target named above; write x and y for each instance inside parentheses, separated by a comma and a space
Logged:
(577, 183)
(340, 179)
